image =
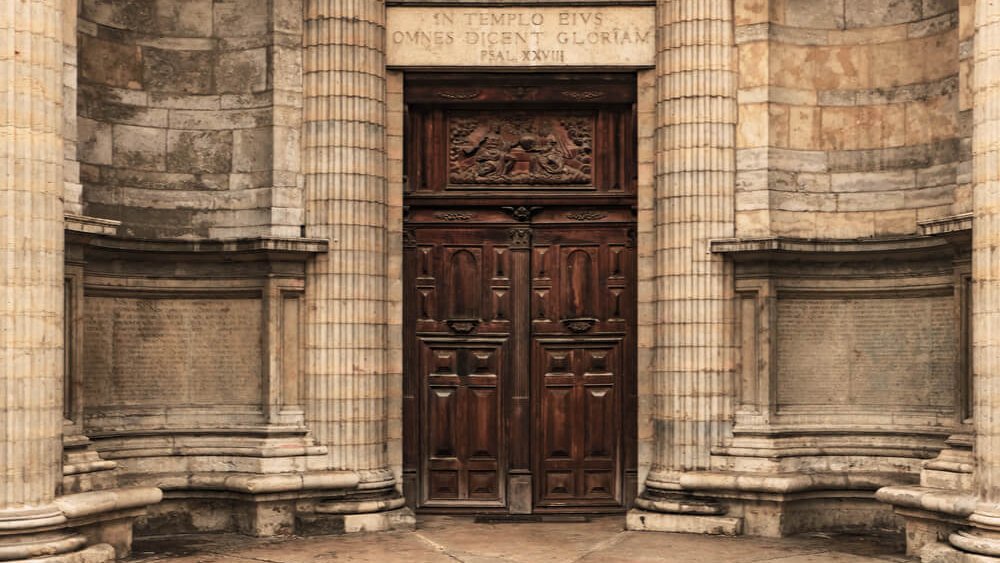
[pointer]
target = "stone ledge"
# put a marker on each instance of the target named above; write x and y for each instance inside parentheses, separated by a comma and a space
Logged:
(796, 248)
(95, 502)
(641, 520)
(290, 246)
(946, 225)
(780, 483)
(90, 225)
(257, 484)
(943, 501)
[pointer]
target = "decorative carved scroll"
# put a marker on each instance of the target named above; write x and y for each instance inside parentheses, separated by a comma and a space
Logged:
(583, 95)
(453, 216)
(458, 94)
(579, 325)
(586, 215)
(462, 326)
(520, 149)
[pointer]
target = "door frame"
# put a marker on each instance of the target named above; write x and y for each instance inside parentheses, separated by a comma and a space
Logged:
(641, 437)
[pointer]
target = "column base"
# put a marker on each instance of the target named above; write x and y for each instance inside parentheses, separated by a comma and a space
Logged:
(100, 553)
(943, 553)
(977, 542)
(647, 521)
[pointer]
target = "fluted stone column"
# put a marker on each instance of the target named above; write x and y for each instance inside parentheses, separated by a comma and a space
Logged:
(985, 537)
(31, 254)
(695, 162)
(31, 278)
(346, 202)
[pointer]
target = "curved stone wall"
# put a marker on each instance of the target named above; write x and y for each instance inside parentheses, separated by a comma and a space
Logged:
(851, 121)
(181, 107)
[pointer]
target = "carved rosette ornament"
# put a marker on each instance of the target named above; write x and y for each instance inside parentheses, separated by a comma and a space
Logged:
(520, 238)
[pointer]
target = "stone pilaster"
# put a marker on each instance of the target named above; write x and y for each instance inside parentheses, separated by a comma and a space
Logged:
(695, 162)
(984, 538)
(346, 202)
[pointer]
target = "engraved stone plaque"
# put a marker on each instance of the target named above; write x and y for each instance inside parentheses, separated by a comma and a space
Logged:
(172, 352)
(874, 354)
(521, 36)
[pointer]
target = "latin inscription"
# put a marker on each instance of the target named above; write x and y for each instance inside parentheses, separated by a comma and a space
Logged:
(516, 36)
(172, 352)
(867, 353)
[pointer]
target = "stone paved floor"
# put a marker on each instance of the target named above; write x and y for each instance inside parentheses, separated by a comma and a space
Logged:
(450, 540)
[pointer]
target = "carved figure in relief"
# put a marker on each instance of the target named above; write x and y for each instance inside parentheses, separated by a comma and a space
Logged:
(521, 149)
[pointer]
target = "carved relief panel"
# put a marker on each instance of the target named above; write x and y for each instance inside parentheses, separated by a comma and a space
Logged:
(505, 136)
(520, 149)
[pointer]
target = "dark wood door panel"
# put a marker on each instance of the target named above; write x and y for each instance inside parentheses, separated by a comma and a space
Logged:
(463, 431)
(579, 408)
(581, 281)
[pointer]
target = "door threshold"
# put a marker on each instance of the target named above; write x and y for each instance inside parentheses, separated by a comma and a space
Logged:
(528, 518)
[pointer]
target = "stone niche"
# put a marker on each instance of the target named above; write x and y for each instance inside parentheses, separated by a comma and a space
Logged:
(851, 372)
(852, 353)
(190, 357)
(183, 335)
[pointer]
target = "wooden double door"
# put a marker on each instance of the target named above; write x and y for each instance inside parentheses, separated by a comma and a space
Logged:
(519, 294)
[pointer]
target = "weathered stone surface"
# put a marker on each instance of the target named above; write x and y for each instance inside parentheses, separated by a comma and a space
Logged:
(189, 72)
(199, 152)
(242, 71)
(139, 148)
